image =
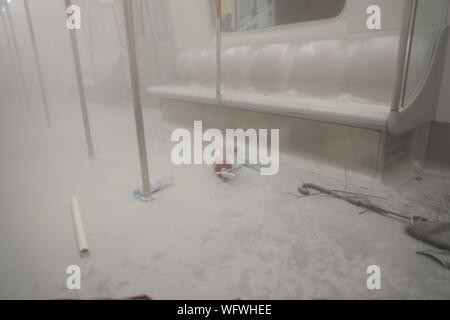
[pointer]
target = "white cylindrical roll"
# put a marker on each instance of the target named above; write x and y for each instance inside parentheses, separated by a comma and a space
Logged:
(79, 228)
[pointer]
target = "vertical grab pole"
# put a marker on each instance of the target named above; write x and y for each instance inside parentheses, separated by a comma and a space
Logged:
(139, 118)
(19, 59)
(81, 92)
(404, 54)
(38, 62)
(218, 51)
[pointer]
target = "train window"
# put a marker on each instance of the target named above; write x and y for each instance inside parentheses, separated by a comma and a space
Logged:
(239, 15)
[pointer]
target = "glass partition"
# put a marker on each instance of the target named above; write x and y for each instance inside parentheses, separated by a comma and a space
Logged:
(428, 20)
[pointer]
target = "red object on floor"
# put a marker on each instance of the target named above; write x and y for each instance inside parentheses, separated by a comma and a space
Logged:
(222, 165)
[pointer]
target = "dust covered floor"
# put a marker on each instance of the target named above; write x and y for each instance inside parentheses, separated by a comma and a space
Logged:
(200, 239)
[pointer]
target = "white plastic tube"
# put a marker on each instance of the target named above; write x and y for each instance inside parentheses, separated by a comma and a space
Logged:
(79, 228)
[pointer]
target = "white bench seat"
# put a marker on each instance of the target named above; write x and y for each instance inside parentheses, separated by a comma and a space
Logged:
(348, 80)
(340, 110)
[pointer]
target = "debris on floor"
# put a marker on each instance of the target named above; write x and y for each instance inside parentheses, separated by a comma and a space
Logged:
(357, 199)
(157, 184)
(223, 166)
(443, 257)
(436, 234)
(83, 247)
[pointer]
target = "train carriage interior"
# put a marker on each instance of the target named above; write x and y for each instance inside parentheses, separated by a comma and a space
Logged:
(225, 149)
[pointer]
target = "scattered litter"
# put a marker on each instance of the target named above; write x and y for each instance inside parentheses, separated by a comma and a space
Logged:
(443, 257)
(227, 171)
(83, 247)
(358, 200)
(161, 183)
(157, 184)
(436, 234)
(222, 163)
(228, 174)
(223, 167)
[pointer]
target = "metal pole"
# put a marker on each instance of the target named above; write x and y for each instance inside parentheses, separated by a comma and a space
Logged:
(404, 54)
(140, 130)
(19, 59)
(81, 92)
(38, 62)
(218, 51)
